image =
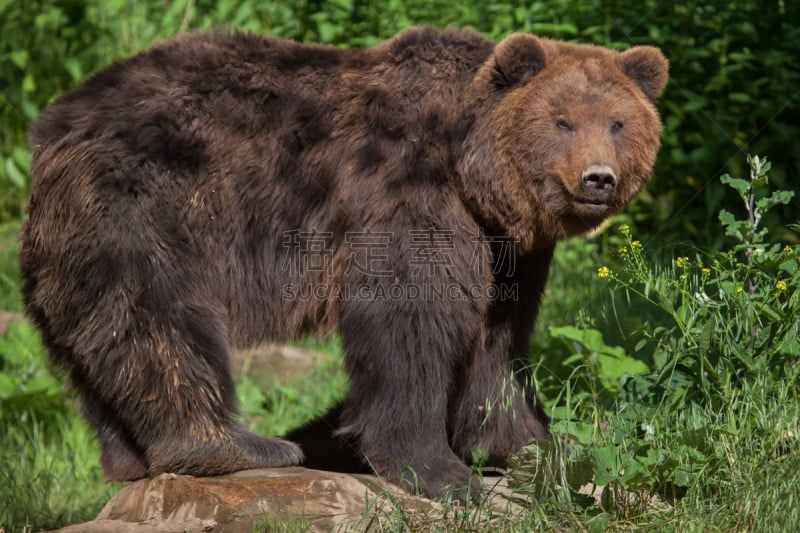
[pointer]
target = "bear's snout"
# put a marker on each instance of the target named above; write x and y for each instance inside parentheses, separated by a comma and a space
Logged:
(598, 182)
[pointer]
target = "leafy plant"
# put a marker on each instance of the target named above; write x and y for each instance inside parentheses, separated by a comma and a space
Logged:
(27, 387)
(724, 350)
(608, 365)
(748, 231)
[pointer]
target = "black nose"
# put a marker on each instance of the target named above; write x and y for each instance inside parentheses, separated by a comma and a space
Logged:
(598, 179)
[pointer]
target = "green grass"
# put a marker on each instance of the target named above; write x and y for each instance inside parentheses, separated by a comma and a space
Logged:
(50, 476)
(275, 407)
(10, 299)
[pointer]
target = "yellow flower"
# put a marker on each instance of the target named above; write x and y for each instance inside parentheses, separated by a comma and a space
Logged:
(623, 251)
(603, 272)
(781, 286)
(636, 245)
(683, 277)
(625, 229)
(682, 262)
(706, 271)
(739, 290)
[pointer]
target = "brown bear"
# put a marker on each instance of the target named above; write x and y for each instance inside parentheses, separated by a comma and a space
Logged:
(224, 188)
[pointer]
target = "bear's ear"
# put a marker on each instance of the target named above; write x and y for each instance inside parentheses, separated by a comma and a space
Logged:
(646, 66)
(515, 59)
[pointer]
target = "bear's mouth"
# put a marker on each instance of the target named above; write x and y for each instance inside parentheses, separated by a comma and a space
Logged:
(583, 205)
(595, 205)
(592, 202)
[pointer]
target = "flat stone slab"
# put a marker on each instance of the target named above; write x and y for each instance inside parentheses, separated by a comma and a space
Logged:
(274, 362)
(260, 500)
(321, 501)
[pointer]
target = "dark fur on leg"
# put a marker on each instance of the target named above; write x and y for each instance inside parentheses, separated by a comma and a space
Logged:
(324, 449)
(397, 403)
(497, 409)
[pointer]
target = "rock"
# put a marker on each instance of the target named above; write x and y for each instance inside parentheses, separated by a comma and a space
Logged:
(7, 318)
(234, 503)
(267, 499)
(272, 361)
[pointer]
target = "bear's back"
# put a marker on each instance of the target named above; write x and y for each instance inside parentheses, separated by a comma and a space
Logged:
(233, 73)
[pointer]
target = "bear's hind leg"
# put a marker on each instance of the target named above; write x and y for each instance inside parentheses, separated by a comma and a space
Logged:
(164, 378)
(130, 293)
(186, 416)
(121, 459)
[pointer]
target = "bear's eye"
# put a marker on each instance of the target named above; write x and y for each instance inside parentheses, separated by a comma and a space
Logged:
(563, 124)
(616, 126)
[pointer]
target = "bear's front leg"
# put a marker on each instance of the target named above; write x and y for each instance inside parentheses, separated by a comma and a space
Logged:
(401, 354)
(496, 408)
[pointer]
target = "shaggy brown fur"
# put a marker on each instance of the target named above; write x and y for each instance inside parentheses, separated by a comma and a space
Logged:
(184, 199)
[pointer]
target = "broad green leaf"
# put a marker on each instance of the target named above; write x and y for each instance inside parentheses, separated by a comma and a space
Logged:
(776, 198)
(790, 266)
(634, 473)
(606, 467)
(613, 367)
(705, 339)
(328, 31)
(768, 311)
(20, 58)
(743, 98)
(43, 384)
(580, 431)
(28, 84)
(589, 338)
(740, 185)
(580, 471)
(733, 227)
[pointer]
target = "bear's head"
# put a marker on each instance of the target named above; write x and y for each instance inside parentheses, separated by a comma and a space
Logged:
(564, 135)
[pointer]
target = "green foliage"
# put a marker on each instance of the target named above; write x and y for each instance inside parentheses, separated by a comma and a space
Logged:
(733, 90)
(278, 406)
(607, 365)
(32, 74)
(27, 388)
(731, 320)
(733, 85)
(50, 457)
(10, 298)
(50, 476)
(716, 407)
(747, 231)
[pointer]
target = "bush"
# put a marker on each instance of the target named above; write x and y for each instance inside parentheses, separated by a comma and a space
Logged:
(734, 74)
